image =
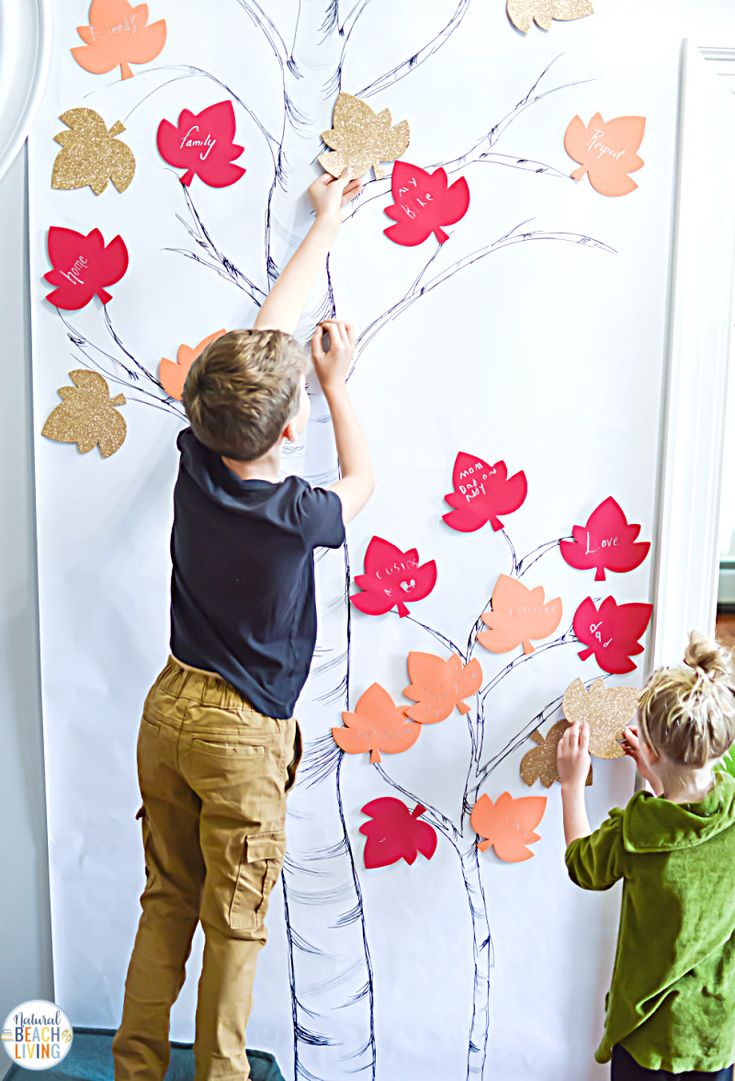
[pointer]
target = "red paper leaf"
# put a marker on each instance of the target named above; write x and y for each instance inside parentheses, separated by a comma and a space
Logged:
(118, 33)
(202, 144)
(83, 266)
(376, 725)
(395, 833)
(508, 825)
(438, 686)
(423, 203)
(481, 493)
(391, 579)
(607, 542)
(611, 632)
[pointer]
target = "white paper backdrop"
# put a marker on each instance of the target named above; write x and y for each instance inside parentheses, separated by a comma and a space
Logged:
(545, 353)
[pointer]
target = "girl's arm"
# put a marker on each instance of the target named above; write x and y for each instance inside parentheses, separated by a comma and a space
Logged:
(573, 760)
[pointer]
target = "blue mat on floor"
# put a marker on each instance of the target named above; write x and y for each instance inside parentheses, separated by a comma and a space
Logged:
(90, 1059)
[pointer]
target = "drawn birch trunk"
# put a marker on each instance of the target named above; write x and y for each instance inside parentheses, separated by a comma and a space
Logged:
(331, 977)
(482, 949)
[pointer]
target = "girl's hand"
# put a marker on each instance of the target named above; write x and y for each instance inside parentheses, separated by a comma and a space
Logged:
(573, 756)
(329, 194)
(632, 747)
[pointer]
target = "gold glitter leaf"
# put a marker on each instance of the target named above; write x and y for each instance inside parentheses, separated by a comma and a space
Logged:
(87, 415)
(540, 763)
(362, 138)
(90, 154)
(523, 13)
(606, 710)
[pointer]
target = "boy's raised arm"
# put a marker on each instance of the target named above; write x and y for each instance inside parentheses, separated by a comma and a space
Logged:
(357, 482)
(284, 304)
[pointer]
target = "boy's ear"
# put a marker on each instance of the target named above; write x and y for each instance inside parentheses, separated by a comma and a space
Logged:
(289, 433)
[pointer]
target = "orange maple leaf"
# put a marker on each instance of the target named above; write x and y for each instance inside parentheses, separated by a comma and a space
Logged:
(118, 33)
(606, 151)
(508, 825)
(377, 724)
(518, 615)
(438, 685)
(173, 373)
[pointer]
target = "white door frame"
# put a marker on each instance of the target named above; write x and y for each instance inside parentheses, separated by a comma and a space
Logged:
(698, 353)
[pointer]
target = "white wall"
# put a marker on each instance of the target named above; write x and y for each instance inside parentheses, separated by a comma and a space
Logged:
(24, 911)
(25, 938)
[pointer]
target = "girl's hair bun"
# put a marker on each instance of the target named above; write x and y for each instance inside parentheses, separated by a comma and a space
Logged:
(710, 658)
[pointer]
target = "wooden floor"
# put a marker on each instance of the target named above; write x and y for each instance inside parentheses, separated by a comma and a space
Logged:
(726, 628)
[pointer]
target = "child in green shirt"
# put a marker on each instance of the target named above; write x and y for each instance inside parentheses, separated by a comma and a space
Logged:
(670, 1011)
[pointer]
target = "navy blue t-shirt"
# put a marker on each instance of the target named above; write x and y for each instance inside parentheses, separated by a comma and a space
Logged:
(242, 587)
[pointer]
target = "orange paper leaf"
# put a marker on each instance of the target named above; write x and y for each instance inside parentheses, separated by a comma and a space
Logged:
(606, 151)
(508, 825)
(438, 685)
(377, 724)
(518, 615)
(173, 373)
(118, 34)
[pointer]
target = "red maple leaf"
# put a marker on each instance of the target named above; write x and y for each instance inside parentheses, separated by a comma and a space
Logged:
(395, 833)
(438, 685)
(423, 203)
(202, 144)
(376, 725)
(508, 824)
(392, 578)
(83, 266)
(481, 493)
(607, 542)
(611, 632)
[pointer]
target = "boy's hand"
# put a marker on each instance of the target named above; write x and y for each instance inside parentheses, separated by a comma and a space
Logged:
(333, 365)
(328, 195)
(573, 756)
(632, 747)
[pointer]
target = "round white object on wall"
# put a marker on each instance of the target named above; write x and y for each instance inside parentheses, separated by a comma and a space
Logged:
(25, 50)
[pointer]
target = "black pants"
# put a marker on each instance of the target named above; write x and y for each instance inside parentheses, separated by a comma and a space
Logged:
(625, 1068)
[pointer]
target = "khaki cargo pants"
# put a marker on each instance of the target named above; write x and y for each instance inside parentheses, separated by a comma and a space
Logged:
(213, 779)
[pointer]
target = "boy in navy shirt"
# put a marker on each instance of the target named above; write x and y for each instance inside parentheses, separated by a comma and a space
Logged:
(218, 744)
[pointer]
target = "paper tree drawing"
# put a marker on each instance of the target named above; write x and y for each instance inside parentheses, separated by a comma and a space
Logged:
(351, 727)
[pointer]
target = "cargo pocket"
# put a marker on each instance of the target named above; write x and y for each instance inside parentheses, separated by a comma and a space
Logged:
(145, 827)
(262, 857)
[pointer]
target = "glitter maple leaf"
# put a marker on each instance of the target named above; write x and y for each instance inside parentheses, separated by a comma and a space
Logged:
(540, 764)
(87, 415)
(91, 155)
(361, 138)
(523, 13)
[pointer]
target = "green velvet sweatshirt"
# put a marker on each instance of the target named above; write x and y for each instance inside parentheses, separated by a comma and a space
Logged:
(671, 1003)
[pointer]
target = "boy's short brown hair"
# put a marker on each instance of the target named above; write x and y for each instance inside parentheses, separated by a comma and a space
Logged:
(242, 391)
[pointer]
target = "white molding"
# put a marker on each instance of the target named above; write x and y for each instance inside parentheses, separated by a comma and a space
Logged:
(27, 26)
(685, 588)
